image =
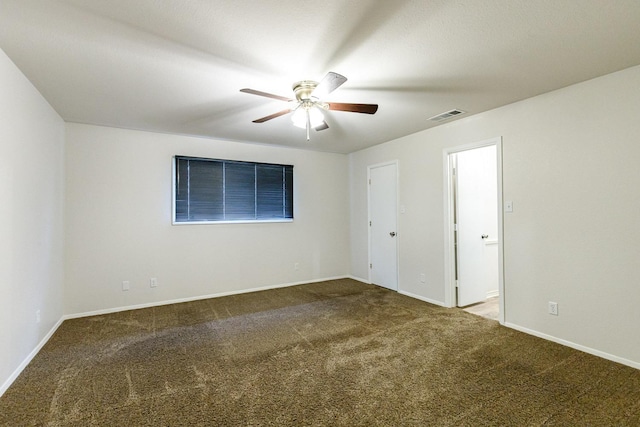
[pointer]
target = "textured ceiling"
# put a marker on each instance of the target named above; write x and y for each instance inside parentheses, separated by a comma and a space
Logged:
(177, 66)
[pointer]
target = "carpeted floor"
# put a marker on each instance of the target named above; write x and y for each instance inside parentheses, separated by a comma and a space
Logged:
(338, 353)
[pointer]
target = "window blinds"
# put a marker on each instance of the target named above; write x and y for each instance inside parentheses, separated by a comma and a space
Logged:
(227, 190)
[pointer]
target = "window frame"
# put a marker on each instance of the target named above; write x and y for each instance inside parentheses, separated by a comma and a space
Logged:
(174, 161)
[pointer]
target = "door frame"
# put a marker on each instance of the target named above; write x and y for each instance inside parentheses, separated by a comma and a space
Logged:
(398, 234)
(449, 240)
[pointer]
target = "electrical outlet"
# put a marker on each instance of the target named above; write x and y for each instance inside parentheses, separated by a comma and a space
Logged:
(38, 316)
(153, 282)
(423, 278)
(126, 285)
(296, 266)
(553, 308)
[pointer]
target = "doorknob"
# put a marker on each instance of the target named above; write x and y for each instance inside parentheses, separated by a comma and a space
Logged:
(485, 236)
(392, 234)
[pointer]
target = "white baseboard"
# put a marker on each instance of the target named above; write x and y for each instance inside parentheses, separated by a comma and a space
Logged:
(421, 298)
(30, 357)
(195, 298)
(585, 349)
(492, 294)
(409, 294)
(359, 279)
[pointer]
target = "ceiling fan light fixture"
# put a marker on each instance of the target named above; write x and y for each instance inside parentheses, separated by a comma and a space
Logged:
(299, 117)
(308, 104)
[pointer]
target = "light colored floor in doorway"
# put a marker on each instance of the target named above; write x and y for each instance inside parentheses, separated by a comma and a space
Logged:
(489, 309)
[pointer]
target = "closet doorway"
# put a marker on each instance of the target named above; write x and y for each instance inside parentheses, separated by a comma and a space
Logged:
(474, 228)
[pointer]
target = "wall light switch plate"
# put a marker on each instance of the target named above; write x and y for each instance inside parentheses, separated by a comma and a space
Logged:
(508, 206)
(126, 285)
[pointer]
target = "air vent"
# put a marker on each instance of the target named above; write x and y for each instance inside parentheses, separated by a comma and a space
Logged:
(446, 115)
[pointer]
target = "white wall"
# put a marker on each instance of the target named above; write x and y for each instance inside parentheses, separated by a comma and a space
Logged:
(571, 166)
(118, 205)
(31, 219)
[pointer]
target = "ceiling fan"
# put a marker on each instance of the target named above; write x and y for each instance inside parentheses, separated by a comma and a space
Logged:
(308, 105)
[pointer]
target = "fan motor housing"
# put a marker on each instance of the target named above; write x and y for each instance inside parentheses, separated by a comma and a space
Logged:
(303, 89)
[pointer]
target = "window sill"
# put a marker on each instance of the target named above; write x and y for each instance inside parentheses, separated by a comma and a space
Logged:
(244, 221)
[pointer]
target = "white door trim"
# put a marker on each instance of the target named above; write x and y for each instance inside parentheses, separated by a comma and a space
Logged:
(398, 231)
(449, 250)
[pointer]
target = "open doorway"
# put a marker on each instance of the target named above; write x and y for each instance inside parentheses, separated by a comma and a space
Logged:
(474, 228)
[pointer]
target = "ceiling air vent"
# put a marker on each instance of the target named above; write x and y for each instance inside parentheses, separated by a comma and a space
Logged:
(446, 115)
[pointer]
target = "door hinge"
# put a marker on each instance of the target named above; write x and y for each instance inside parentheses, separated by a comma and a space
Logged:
(369, 181)
(456, 283)
(370, 265)
(369, 223)
(455, 227)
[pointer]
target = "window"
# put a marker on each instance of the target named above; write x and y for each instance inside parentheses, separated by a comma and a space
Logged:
(214, 190)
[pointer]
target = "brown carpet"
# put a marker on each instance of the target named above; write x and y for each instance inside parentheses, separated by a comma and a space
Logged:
(338, 353)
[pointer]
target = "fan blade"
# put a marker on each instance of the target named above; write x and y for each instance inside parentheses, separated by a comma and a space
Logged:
(272, 116)
(268, 95)
(354, 108)
(329, 83)
(322, 126)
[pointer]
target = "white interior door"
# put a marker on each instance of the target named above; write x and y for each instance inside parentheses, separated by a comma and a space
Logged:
(477, 224)
(383, 202)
